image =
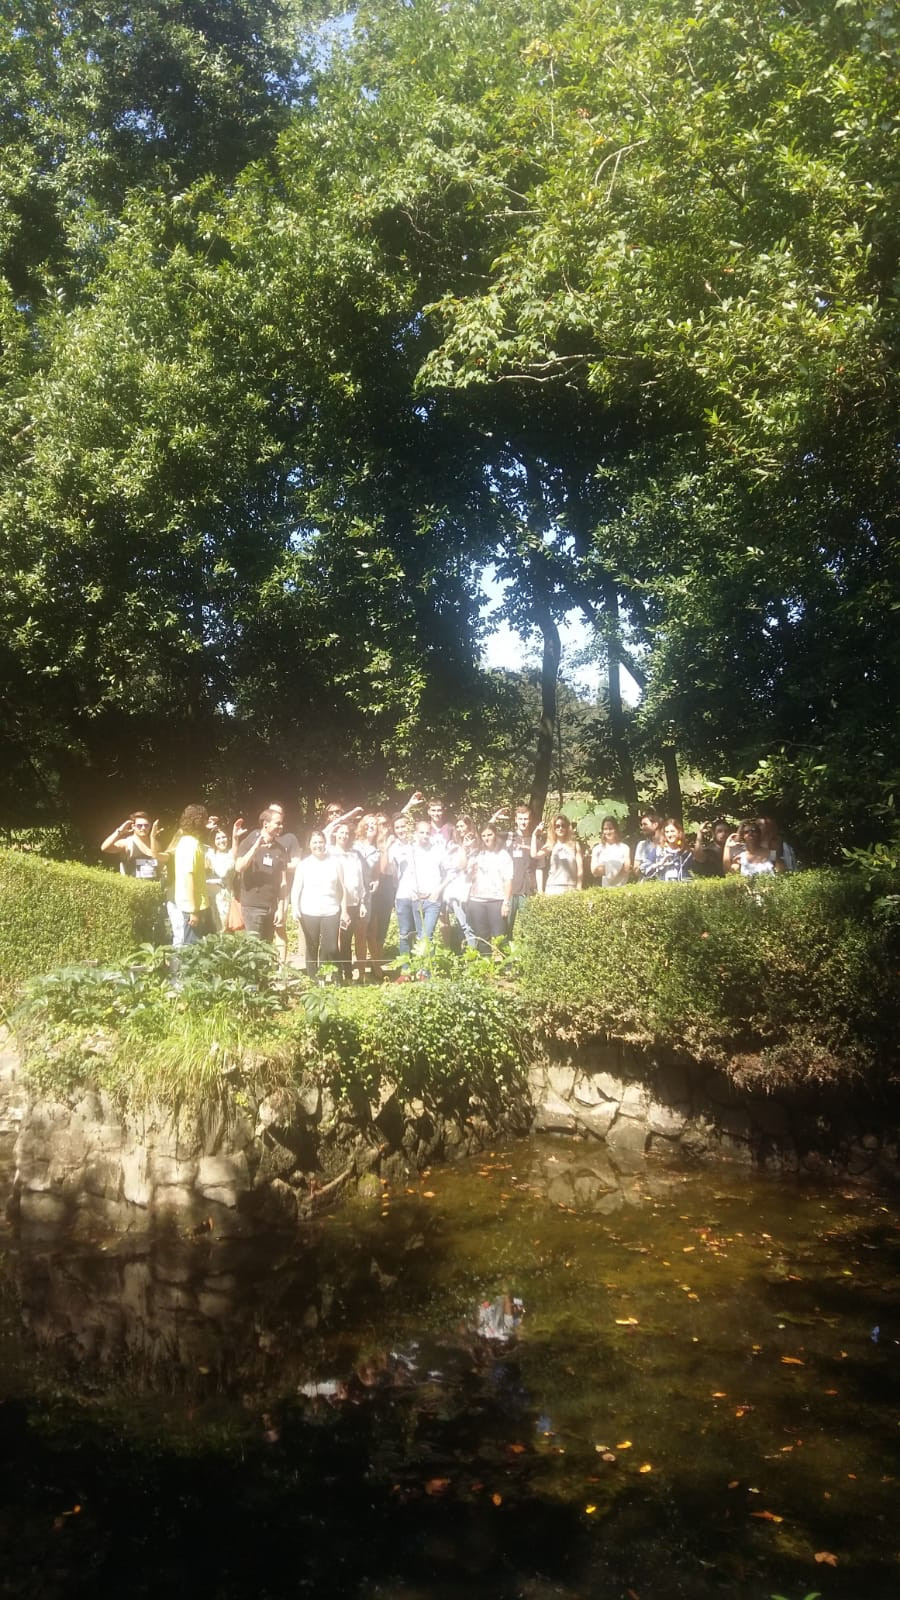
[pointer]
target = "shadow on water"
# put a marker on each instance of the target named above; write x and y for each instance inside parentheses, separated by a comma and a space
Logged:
(533, 1376)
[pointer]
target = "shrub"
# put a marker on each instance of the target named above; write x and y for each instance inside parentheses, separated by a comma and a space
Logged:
(157, 1023)
(181, 1026)
(53, 913)
(789, 977)
(428, 1039)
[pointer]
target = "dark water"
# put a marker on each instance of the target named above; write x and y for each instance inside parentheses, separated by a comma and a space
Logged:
(697, 1396)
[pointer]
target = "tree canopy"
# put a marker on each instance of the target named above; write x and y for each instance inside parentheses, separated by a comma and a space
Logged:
(303, 326)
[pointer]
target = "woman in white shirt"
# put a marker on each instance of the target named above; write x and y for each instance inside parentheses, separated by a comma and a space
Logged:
(564, 865)
(611, 857)
(490, 876)
(317, 901)
(754, 859)
(219, 878)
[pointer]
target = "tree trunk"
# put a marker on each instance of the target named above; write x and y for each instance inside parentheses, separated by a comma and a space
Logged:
(550, 659)
(674, 801)
(617, 731)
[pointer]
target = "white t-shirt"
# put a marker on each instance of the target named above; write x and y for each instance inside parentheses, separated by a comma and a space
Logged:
(420, 870)
(562, 869)
(492, 872)
(318, 887)
(756, 869)
(612, 861)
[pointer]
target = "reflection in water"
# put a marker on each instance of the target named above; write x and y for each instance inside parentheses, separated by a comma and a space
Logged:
(531, 1376)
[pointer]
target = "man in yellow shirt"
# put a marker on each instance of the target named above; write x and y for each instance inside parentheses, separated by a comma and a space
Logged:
(190, 895)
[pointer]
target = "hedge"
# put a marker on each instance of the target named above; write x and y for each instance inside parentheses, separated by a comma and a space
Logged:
(789, 978)
(53, 913)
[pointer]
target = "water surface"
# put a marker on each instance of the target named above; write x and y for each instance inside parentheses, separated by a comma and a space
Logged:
(530, 1376)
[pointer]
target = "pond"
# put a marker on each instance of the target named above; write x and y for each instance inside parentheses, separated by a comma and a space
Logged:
(525, 1377)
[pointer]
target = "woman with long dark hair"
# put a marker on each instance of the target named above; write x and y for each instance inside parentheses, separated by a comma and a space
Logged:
(490, 876)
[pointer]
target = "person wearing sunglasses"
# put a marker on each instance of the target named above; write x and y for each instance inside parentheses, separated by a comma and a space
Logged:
(561, 857)
(136, 843)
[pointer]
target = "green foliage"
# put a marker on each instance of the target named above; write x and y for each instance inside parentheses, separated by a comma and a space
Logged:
(186, 1025)
(788, 979)
(52, 911)
(155, 1023)
(59, 843)
(431, 1039)
(602, 297)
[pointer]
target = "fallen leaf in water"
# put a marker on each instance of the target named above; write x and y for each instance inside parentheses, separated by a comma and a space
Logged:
(497, 1499)
(646, 1467)
(437, 1485)
(624, 1445)
(792, 1361)
(826, 1557)
(767, 1516)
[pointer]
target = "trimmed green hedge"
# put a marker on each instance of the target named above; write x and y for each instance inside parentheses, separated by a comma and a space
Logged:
(785, 979)
(54, 913)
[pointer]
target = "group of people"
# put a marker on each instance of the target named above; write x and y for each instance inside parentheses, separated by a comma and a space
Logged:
(361, 866)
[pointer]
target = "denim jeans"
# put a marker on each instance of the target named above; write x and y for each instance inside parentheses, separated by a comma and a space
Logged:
(416, 919)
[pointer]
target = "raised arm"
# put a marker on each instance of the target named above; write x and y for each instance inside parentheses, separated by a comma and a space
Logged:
(117, 839)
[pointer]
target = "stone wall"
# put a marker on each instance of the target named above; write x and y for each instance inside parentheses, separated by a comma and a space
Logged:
(640, 1101)
(86, 1164)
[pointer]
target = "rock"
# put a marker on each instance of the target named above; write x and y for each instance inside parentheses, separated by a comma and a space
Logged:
(43, 1209)
(33, 1171)
(226, 1172)
(137, 1187)
(587, 1092)
(177, 1197)
(611, 1088)
(561, 1081)
(672, 1085)
(554, 1115)
(635, 1098)
(101, 1176)
(627, 1139)
(597, 1120)
(666, 1120)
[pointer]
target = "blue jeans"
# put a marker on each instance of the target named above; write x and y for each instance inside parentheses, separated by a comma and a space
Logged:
(416, 919)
